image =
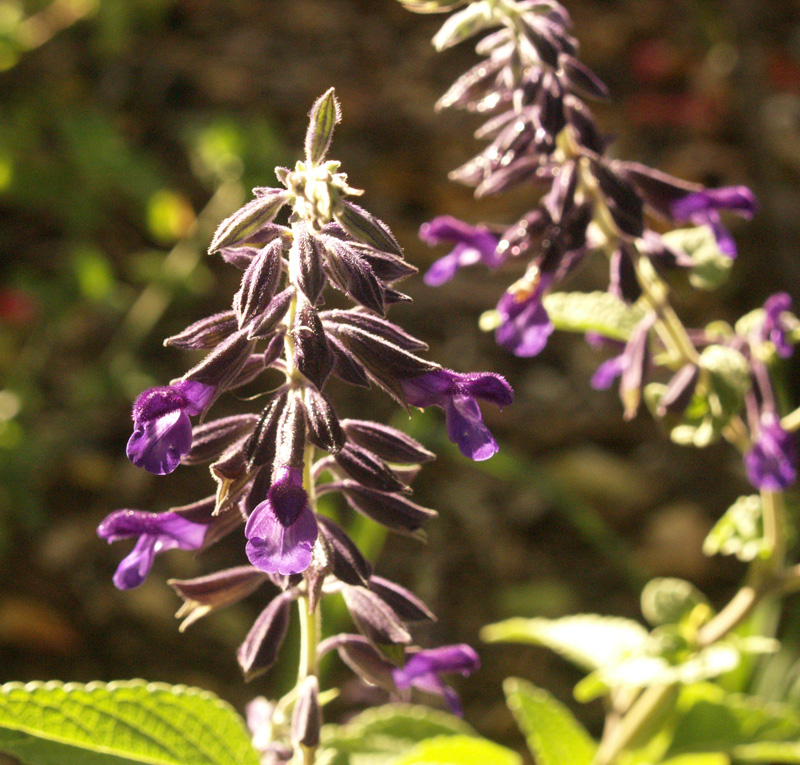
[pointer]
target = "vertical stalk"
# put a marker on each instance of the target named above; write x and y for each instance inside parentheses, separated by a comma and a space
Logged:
(309, 620)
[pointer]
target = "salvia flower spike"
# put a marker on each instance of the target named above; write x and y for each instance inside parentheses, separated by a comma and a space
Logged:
(532, 90)
(291, 244)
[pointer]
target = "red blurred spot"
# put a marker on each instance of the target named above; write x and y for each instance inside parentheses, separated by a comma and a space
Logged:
(17, 308)
(783, 71)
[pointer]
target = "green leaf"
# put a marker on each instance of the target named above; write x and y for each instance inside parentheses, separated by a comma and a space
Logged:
(644, 670)
(599, 312)
(119, 723)
(725, 378)
(377, 735)
(666, 600)
(459, 750)
(739, 532)
(554, 736)
(720, 723)
(707, 758)
(588, 640)
(711, 266)
(772, 752)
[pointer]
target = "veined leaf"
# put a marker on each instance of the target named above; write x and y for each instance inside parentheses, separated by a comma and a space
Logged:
(378, 735)
(736, 724)
(458, 750)
(588, 640)
(641, 671)
(599, 312)
(120, 723)
(554, 736)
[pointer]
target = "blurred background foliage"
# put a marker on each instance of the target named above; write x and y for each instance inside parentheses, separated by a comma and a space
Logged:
(130, 128)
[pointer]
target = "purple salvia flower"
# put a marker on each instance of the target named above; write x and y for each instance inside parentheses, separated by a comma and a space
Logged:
(473, 244)
(156, 531)
(456, 392)
(630, 366)
(422, 671)
(162, 432)
(524, 323)
(774, 328)
(282, 530)
(604, 376)
(771, 462)
(702, 208)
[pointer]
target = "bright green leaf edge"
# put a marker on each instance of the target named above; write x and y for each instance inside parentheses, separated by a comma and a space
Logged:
(553, 734)
(458, 750)
(120, 723)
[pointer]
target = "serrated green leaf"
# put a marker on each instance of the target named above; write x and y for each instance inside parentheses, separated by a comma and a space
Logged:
(729, 723)
(120, 723)
(588, 640)
(458, 750)
(599, 312)
(554, 736)
(377, 735)
(711, 266)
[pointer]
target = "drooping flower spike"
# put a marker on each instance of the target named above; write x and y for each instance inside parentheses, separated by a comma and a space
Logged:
(531, 87)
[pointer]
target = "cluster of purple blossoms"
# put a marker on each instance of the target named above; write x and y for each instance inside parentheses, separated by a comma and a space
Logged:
(531, 86)
(271, 467)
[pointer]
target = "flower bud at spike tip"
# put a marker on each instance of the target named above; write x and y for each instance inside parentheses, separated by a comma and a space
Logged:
(324, 116)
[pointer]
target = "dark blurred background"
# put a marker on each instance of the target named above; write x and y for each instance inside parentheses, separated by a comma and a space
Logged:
(130, 128)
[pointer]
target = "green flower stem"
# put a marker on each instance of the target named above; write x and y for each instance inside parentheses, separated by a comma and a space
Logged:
(309, 620)
(309, 638)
